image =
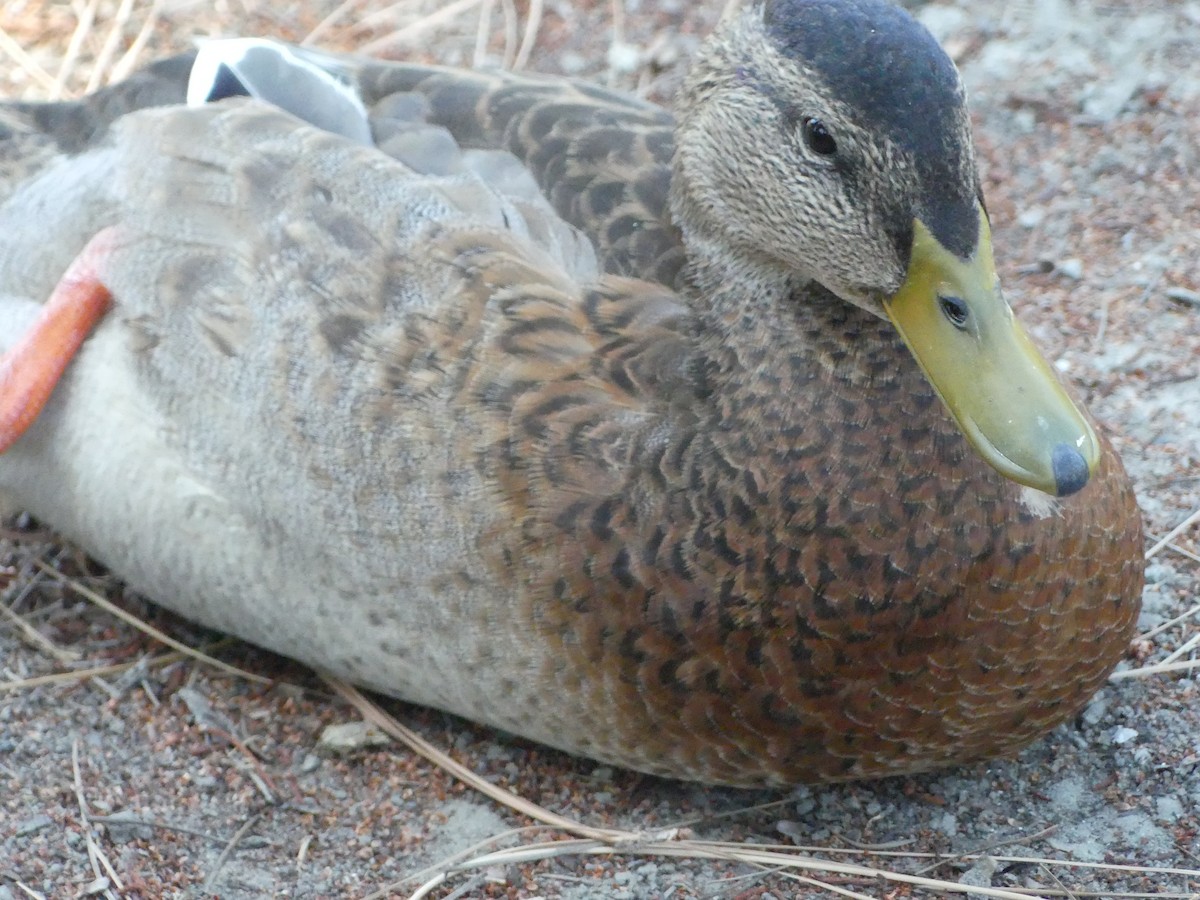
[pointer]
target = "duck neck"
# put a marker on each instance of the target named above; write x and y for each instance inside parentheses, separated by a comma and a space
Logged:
(752, 315)
(791, 360)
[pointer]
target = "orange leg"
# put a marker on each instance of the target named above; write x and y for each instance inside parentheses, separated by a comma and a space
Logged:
(32, 367)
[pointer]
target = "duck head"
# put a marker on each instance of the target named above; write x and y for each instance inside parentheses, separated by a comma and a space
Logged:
(828, 141)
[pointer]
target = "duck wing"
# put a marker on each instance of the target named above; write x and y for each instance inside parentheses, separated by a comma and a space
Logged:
(601, 158)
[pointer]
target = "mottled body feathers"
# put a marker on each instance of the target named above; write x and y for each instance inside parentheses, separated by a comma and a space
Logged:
(415, 429)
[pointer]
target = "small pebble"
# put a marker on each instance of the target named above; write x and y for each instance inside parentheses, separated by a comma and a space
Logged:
(126, 825)
(1123, 735)
(1106, 161)
(948, 824)
(573, 63)
(624, 58)
(793, 831)
(979, 875)
(97, 886)
(350, 736)
(1031, 217)
(1070, 268)
(32, 826)
(1156, 573)
(1096, 710)
(1169, 808)
(309, 764)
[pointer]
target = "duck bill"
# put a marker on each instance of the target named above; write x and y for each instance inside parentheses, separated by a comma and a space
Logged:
(1010, 406)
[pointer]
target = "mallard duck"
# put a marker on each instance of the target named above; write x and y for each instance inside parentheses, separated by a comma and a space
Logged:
(702, 444)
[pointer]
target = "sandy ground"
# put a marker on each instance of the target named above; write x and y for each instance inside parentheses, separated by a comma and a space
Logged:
(201, 784)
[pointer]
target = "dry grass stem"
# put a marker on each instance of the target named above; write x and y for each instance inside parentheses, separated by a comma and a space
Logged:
(97, 856)
(109, 49)
(411, 33)
(533, 24)
(389, 725)
(87, 18)
(1168, 625)
(36, 638)
(237, 838)
(1174, 533)
(328, 22)
(132, 57)
(144, 627)
(1159, 669)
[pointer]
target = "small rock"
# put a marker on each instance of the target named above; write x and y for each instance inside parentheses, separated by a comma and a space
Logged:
(203, 712)
(351, 736)
(98, 886)
(1105, 101)
(126, 825)
(624, 58)
(1031, 217)
(1123, 735)
(1169, 808)
(979, 875)
(793, 831)
(1106, 161)
(309, 764)
(1096, 710)
(948, 825)
(573, 63)
(1070, 268)
(33, 826)
(1157, 573)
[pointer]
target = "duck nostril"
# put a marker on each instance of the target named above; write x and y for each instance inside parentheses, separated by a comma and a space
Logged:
(955, 309)
(1070, 470)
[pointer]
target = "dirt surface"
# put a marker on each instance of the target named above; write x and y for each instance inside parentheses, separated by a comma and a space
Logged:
(201, 784)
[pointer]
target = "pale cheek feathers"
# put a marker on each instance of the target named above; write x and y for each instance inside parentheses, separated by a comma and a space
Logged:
(1037, 503)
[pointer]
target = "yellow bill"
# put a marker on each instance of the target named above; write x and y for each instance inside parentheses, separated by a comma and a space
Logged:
(1008, 403)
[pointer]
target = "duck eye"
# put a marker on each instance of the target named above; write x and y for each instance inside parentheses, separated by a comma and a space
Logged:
(955, 309)
(818, 138)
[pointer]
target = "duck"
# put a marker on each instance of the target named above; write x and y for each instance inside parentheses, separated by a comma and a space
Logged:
(700, 442)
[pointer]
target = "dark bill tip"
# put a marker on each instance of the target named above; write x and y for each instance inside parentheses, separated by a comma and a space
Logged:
(1070, 469)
